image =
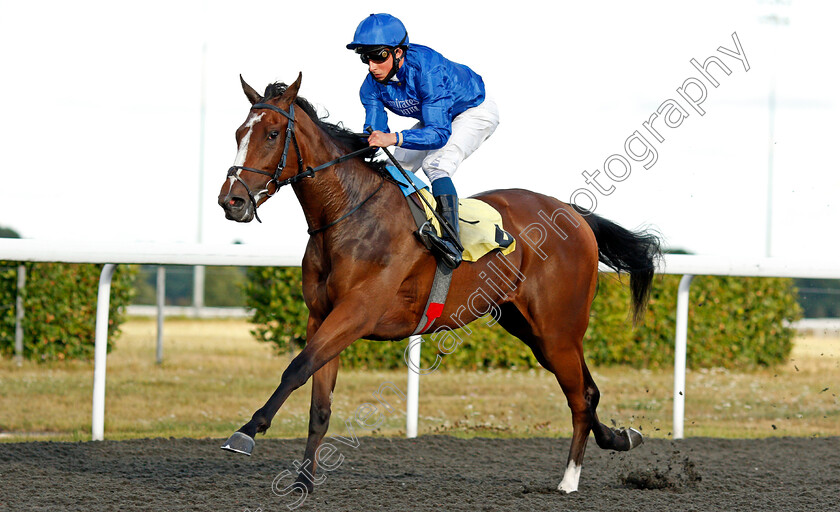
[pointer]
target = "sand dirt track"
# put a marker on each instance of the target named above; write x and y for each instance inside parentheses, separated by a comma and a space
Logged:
(437, 473)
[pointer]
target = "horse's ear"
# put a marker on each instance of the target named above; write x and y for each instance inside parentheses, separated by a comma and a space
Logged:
(292, 92)
(253, 96)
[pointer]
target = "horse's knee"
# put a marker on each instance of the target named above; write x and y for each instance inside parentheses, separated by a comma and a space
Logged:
(297, 373)
(319, 419)
(321, 414)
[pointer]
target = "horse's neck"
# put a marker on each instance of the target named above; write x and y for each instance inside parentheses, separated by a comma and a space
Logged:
(334, 191)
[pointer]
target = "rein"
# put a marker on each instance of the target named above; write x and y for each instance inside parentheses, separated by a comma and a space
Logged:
(235, 170)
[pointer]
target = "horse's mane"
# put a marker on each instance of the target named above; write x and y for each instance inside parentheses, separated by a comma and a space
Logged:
(337, 131)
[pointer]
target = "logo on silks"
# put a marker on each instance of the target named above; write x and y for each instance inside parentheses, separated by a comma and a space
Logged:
(404, 107)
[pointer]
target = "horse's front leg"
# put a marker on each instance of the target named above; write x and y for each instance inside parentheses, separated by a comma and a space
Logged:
(345, 324)
(323, 383)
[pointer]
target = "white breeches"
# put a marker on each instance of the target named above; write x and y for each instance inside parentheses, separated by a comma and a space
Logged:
(469, 130)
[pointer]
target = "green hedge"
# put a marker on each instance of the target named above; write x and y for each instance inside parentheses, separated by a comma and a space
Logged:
(733, 322)
(59, 308)
(276, 297)
(223, 285)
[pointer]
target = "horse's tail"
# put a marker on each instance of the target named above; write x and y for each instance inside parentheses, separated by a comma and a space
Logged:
(626, 251)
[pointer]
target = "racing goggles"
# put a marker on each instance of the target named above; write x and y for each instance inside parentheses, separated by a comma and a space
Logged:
(378, 55)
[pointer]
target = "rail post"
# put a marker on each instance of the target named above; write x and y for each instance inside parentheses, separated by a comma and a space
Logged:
(101, 352)
(161, 304)
(413, 387)
(21, 285)
(680, 342)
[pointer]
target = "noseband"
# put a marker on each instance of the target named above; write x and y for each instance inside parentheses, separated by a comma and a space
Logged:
(235, 170)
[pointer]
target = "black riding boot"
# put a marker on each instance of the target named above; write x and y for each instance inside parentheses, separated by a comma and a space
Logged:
(448, 204)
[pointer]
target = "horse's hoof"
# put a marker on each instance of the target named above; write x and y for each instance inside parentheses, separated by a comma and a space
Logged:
(239, 443)
(634, 437)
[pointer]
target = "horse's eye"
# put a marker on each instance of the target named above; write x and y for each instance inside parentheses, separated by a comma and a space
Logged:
(273, 135)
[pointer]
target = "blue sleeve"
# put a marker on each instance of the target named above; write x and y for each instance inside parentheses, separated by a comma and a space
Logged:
(375, 115)
(435, 107)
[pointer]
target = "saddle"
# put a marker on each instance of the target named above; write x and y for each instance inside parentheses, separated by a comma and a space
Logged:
(481, 226)
(481, 231)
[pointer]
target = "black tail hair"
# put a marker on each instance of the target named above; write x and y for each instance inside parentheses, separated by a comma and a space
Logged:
(626, 251)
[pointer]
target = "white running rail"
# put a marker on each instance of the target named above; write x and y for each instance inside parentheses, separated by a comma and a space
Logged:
(245, 255)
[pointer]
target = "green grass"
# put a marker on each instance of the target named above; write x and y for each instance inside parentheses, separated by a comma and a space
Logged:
(215, 375)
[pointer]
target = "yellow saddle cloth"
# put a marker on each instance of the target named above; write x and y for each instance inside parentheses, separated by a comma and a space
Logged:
(481, 228)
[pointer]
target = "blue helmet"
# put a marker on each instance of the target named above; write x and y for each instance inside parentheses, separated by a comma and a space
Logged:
(379, 30)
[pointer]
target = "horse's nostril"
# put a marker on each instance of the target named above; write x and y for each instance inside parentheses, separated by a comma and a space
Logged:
(235, 203)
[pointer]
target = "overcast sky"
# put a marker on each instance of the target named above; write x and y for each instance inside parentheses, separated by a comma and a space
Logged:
(100, 111)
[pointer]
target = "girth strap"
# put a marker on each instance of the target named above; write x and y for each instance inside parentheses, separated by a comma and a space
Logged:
(437, 298)
(440, 284)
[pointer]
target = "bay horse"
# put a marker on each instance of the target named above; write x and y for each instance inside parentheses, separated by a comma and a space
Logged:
(365, 274)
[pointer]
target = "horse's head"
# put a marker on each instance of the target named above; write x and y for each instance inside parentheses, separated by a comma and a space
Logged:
(265, 140)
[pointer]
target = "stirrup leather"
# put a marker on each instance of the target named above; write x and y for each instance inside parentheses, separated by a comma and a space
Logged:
(448, 204)
(443, 249)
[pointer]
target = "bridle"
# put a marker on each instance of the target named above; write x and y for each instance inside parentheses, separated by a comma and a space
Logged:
(236, 170)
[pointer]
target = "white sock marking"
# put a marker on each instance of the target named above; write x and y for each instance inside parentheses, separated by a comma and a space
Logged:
(570, 478)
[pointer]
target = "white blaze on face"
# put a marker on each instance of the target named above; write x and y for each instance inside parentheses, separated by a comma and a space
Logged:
(243, 144)
(570, 478)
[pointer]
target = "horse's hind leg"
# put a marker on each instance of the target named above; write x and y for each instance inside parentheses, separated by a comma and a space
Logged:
(566, 362)
(562, 355)
(323, 383)
(606, 437)
(564, 358)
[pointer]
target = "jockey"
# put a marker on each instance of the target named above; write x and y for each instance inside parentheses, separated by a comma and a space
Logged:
(447, 99)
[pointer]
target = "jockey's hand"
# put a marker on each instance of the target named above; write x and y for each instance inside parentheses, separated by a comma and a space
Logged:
(382, 139)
